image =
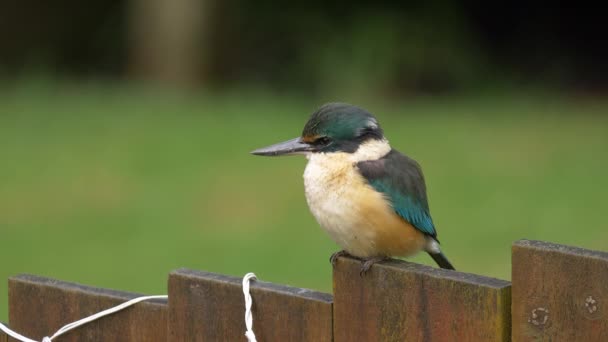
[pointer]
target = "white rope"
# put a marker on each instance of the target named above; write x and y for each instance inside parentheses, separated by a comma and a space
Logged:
(248, 301)
(109, 311)
(80, 322)
(248, 316)
(16, 336)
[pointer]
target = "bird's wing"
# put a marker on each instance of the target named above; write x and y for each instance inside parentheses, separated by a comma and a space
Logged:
(400, 179)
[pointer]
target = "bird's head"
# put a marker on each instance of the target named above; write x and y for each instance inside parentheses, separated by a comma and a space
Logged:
(335, 127)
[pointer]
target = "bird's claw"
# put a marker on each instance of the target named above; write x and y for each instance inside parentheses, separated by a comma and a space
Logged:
(366, 264)
(334, 257)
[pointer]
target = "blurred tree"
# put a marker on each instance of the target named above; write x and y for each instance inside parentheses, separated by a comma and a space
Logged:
(166, 40)
(386, 47)
(62, 36)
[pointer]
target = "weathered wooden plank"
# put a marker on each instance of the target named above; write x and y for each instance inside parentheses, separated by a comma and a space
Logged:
(402, 301)
(3, 336)
(560, 293)
(40, 306)
(210, 307)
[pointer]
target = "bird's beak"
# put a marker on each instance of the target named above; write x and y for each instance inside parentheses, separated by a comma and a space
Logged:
(285, 148)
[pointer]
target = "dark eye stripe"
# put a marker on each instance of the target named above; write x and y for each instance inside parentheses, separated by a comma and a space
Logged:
(322, 141)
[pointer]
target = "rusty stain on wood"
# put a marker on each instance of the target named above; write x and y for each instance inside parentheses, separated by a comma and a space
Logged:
(39, 306)
(402, 301)
(210, 307)
(560, 293)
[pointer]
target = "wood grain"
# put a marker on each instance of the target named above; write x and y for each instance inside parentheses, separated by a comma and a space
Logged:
(40, 306)
(3, 336)
(210, 307)
(560, 293)
(402, 301)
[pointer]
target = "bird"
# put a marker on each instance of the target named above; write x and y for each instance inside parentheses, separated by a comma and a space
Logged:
(370, 198)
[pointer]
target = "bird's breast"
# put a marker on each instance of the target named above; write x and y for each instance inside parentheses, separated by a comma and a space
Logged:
(357, 217)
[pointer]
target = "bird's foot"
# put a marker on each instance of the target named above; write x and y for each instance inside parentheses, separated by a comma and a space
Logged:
(334, 257)
(366, 264)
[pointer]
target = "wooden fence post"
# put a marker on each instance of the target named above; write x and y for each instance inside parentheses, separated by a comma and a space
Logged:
(3, 336)
(560, 293)
(402, 301)
(210, 307)
(39, 306)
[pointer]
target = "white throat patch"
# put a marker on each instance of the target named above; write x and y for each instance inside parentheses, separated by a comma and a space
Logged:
(372, 150)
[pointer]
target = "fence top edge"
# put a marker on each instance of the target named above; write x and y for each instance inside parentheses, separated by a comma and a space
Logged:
(559, 248)
(462, 277)
(256, 285)
(119, 295)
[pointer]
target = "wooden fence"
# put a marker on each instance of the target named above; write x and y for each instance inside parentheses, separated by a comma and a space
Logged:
(557, 293)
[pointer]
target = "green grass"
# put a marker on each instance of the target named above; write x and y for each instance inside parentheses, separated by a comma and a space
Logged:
(115, 187)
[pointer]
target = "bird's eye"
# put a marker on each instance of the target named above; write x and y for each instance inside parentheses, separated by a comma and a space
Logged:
(323, 141)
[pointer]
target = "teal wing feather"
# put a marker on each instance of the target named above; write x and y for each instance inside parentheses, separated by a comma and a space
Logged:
(401, 181)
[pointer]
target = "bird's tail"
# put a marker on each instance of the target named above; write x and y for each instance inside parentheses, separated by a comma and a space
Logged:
(441, 260)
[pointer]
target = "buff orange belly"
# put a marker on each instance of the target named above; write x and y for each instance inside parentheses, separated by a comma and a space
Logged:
(357, 217)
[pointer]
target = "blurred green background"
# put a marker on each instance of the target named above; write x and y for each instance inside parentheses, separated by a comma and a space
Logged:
(125, 128)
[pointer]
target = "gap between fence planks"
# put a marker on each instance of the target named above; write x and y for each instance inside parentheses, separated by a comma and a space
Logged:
(210, 307)
(402, 301)
(39, 306)
(560, 293)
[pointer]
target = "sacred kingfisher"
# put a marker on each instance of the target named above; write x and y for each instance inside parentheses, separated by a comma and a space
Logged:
(370, 198)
